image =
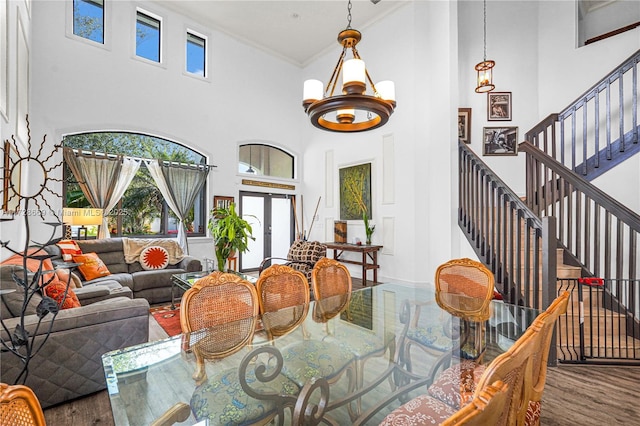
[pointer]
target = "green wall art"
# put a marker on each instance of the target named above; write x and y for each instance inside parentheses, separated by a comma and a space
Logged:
(355, 191)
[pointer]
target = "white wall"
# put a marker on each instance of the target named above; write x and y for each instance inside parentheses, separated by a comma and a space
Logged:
(15, 47)
(429, 50)
(79, 87)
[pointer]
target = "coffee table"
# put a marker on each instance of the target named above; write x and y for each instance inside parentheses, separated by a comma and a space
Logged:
(185, 281)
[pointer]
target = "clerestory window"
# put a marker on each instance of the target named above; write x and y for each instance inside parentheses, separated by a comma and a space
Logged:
(88, 19)
(196, 51)
(265, 160)
(148, 36)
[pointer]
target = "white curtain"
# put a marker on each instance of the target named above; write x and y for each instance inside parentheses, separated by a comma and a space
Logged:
(179, 184)
(103, 179)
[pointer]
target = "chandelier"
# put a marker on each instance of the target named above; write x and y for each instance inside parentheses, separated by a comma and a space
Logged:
(353, 110)
(485, 68)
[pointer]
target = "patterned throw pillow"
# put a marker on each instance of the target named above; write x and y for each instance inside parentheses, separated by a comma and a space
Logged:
(154, 257)
(91, 266)
(68, 248)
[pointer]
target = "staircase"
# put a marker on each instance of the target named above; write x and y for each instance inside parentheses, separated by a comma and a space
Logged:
(566, 228)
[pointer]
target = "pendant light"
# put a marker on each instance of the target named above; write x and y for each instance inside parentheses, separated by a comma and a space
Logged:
(353, 110)
(485, 68)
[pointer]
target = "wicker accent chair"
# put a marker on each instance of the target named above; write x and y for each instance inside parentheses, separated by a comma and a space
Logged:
(283, 293)
(218, 316)
(19, 406)
(464, 288)
(513, 368)
(302, 256)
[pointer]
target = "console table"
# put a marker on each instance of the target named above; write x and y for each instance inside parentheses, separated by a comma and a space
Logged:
(369, 257)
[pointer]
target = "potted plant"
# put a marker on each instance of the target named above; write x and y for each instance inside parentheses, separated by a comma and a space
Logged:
(230, 233)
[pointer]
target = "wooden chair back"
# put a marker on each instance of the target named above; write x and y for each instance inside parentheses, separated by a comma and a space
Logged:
(465, 277)
(283, 294)
(545, 325)
(485, 408)
(514, 369)
(330, 278)
(19, 406)
(218, 316)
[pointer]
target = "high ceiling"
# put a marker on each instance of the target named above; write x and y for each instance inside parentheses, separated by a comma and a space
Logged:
(296, 31)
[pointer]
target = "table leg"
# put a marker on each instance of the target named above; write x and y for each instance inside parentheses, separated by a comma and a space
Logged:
(364, 269)
(173, 304)
(375, 269)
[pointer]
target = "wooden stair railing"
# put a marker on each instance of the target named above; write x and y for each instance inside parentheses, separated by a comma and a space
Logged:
(574, 136)
(518, 247)
(599, 232)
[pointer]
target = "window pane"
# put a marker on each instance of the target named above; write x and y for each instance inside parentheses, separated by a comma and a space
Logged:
(148, 37)
(196, 54)
(88, 19)
(263, 160)
(142, 209)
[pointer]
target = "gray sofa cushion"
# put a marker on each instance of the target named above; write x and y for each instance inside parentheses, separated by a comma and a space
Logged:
(69, 365)
(12, 302)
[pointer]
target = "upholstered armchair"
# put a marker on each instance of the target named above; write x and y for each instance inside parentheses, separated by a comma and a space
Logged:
(302, 256)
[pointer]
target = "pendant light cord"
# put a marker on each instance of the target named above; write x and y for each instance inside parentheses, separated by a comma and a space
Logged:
(484, 37)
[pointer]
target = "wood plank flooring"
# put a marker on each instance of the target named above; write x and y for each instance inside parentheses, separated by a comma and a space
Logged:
(574, 395)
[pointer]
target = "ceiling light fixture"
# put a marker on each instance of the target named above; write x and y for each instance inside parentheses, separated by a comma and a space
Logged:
(485, 68)
(353, 110)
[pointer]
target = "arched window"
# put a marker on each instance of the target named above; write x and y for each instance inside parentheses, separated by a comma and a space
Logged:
(265, 160)
(142, 210)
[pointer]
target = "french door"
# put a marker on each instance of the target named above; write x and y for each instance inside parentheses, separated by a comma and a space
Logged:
(273, 227)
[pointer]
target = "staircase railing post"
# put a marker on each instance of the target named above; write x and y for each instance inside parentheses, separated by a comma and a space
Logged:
(549, 275)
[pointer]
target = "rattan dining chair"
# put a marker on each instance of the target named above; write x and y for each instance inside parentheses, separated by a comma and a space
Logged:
(456, 383)
(218, 315)
(485, 408)
(223, 300)
(19, 406)
(283, 295)
(513, 368)
(309, 357)
(545, 325)
(464, 288)
(332, 286)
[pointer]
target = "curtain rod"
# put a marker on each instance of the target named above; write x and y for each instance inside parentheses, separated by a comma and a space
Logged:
(96, 154)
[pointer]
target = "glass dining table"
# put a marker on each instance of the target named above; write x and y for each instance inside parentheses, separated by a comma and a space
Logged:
(356, 371)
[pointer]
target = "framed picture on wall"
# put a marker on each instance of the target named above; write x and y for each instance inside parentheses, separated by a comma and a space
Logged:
(355, 191)
(11, 178)
(500, 141)
(464, 125)
(222, 202)
(499, 106)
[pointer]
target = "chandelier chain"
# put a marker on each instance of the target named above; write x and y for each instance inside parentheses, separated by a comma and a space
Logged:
(349, 14)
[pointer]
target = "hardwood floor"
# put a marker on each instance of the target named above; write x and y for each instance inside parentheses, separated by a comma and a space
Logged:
(574, 395)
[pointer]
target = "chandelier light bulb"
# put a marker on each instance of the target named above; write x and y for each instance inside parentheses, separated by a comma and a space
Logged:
(386, 90)
(353, 76)
(312, 91)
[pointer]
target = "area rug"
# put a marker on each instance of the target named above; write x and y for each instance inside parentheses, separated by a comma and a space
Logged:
(168, 319)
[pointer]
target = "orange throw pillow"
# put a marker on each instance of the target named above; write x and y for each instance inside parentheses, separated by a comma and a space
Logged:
(91, 266)
(55, 290)
(68, 248)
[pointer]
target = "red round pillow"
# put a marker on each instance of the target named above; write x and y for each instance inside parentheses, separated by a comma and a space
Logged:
(154, 257)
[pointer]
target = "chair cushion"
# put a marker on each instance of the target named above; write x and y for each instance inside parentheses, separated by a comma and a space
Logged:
(532, 417)
(421, 410)
(307, 251)
(312, 358)
(431, 336)
(455, 385)
(222, 400)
